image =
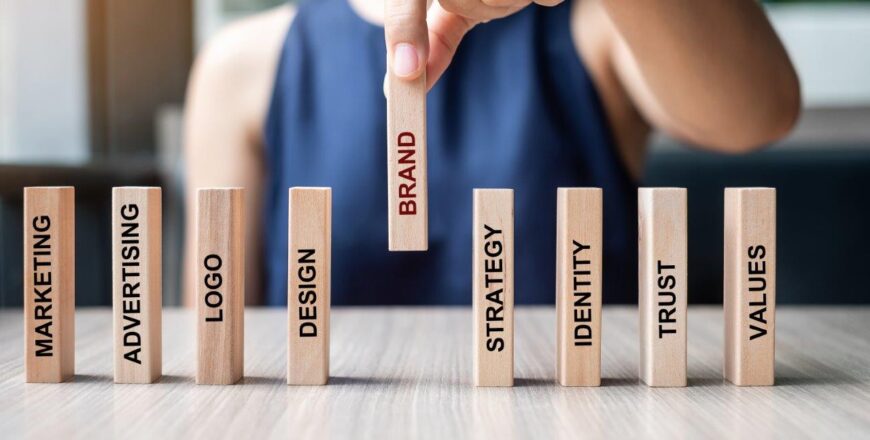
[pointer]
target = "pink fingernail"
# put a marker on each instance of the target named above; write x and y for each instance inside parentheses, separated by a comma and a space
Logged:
(405, 59)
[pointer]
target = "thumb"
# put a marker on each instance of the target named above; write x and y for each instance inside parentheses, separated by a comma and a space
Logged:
(446, 30)
(406, 37)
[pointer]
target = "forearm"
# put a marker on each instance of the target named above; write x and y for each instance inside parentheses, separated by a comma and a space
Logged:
(716, 70)
(222, 150)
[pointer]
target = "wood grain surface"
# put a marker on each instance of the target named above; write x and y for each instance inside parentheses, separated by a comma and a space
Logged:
(493, 287)
(406, 373)
(662, 285)
(49, 282)
(309, 245)
(137, 282)
(579, 229)
(407, 181)
(750, 285)
(220, 288)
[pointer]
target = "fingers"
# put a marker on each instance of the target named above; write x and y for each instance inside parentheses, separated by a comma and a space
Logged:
(406, 37)
(482, 9)
(548, 3)
(446, 30)
(415, 44)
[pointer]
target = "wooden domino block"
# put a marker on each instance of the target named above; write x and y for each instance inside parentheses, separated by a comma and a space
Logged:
(578, 286)
(662, 285)
(750, 285)
(493, 279)
(406, 164)
(49, 284)
(308, 296)
(220, 285)
(137, 287)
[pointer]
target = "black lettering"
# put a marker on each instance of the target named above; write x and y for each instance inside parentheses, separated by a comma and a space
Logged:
(667, 299)
(756, 284)
(307, 330)
(43, 347)
(495, 344)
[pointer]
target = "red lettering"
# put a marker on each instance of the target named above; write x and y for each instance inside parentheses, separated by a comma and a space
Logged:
(408, 174)
(407, 157)
(407, 191)
(406, 139)
(408, 207)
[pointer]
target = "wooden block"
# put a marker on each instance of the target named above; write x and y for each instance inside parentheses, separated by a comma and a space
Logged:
(750, 285)
(221, 285)
(49, 284)
(578, 286)
(406, 164)
(308, 298)
(137, 286)
(493, 278)
(662, 285)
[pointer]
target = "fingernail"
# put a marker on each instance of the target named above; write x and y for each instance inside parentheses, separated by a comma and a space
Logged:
(405, 59)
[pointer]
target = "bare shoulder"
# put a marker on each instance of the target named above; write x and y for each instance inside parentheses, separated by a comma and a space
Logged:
(250, 42)
(238, 64)
(595, 37)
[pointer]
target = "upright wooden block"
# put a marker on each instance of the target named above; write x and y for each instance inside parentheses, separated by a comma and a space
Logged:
(578, 286)
(137, 286)
(493, 278)
(662, 285)
(308, 297)
(49, 283)
(221, 285)
(406, 164)
(750, 285)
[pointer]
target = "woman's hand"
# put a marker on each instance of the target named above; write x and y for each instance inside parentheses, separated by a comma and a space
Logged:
(418, 42)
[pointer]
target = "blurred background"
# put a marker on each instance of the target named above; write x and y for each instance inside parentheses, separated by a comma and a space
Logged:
(92, 95)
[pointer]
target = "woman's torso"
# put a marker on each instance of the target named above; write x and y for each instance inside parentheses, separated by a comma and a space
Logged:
(516, 109)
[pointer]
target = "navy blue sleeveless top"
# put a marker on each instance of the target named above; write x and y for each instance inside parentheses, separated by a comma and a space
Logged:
(516, 109)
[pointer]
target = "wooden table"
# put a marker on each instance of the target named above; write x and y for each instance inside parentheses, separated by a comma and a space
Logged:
(406, 372)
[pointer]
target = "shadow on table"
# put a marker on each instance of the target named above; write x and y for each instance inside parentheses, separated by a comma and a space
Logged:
(362, 381)
(263, 380)
(803, 381)
(545, 382)
(107, 378)
(533, 382)
(175, 379)
(618, 382)
(813, 372)
(704, 381)
(93, 378)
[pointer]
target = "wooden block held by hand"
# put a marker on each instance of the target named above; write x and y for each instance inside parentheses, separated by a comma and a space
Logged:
(137, 286)
(49, 284)
(662, 285)
(406, 164)
(308, 296)
(750, 285)
(578, 286)
(220, 285)
(493, 290)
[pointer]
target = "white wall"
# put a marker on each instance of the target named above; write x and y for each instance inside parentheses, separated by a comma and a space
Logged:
(830, 46)
(43, 81)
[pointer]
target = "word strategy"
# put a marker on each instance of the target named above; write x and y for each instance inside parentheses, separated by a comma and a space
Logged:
(493, 289)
